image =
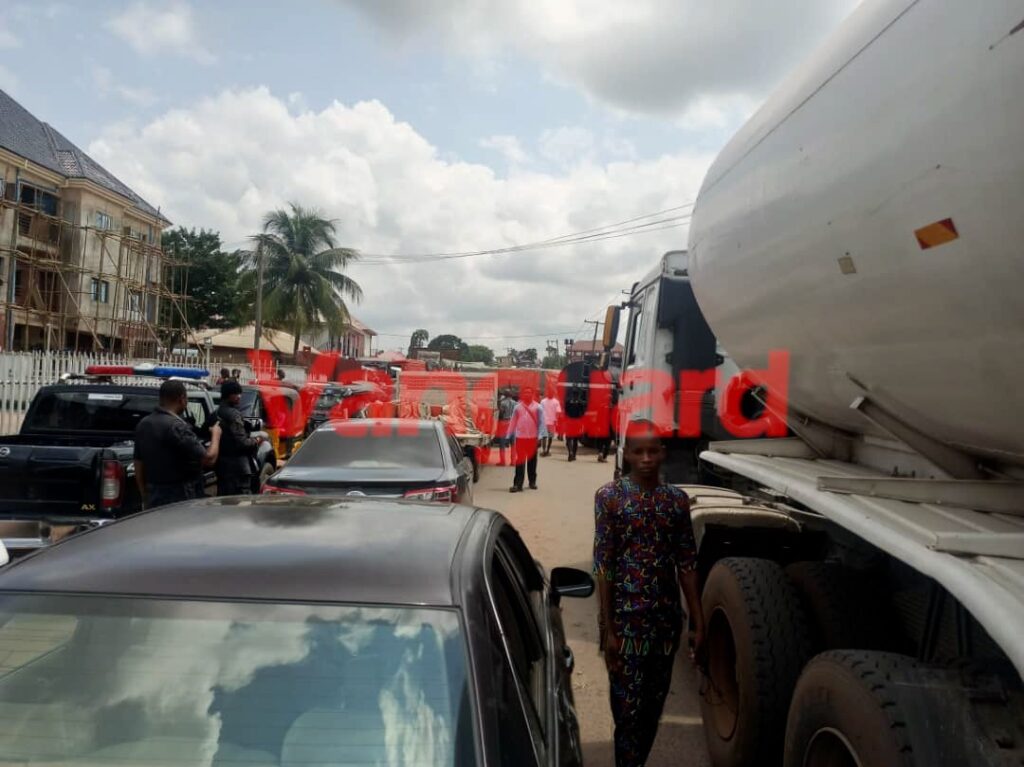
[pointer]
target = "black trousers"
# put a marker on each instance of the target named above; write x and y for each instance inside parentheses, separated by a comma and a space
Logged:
(572, 444)
(526, 461)
(234, 484)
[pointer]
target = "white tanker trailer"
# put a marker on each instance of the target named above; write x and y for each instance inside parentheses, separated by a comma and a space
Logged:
(864, 575)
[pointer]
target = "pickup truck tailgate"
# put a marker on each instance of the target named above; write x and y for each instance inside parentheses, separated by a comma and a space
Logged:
(49, 481)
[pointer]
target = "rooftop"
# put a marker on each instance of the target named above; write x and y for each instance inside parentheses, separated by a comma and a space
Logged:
(242, 338)
(27, 136)
(262, 548)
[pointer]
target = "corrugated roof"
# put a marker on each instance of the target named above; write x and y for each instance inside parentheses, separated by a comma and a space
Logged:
(25, 135)
(242, 338)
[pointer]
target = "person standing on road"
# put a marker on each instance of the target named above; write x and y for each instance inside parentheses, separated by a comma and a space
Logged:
(235, 464)
(552, 410)
(169, 457)
(527, 429)
(506, 405)
(644, 552)
(575, 410)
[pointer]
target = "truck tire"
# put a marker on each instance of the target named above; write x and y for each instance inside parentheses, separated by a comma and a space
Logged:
(757, 644)
(846, 712)
(838, 611)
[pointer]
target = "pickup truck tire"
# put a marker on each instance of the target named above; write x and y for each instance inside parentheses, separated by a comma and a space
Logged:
(262, 477)
(757, 643)
(847, 711)
(838, 610)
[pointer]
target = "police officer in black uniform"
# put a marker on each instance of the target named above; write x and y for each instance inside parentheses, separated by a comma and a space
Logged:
(235, 464)
(169, 457)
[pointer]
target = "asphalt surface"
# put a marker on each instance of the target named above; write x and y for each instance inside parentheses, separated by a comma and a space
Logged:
(557, 523)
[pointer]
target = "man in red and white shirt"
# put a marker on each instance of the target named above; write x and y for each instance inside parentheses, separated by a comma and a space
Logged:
(527, 428)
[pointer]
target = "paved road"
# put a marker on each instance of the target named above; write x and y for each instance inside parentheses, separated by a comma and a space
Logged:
(557, 524)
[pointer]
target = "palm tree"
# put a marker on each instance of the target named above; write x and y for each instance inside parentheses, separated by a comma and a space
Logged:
(303, 284)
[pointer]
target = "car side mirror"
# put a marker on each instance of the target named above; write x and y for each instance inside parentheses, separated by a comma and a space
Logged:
(570, 582)
(253, 424)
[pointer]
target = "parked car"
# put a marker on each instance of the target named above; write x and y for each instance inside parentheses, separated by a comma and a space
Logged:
(310, 631)
(391, 457)
(342, 400)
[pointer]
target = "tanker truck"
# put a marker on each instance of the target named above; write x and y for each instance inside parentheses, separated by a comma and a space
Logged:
(862, 556)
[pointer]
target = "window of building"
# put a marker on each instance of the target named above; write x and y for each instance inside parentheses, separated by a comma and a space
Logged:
(99, 290)
(104, 221)
(39, 199)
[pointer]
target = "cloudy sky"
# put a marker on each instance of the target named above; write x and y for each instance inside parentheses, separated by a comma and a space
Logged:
(421, 126)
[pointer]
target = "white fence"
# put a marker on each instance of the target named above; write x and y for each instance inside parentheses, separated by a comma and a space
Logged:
(21, 375)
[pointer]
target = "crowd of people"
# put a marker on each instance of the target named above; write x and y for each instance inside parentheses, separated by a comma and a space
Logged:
(527, 429)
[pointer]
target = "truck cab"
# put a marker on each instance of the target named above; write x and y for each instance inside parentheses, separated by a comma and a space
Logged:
(666, 334)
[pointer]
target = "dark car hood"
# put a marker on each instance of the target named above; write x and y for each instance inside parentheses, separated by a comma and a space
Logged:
(342, 476)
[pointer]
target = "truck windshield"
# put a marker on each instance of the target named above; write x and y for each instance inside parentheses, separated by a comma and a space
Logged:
(89, 411)
(101, 680)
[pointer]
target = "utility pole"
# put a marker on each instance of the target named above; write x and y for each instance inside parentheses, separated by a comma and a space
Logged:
(259, 297)
(596, 325)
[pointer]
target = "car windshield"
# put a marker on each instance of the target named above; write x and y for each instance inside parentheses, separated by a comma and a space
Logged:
(100, 681)
(90, 411)
(358, 446)
(328, 399)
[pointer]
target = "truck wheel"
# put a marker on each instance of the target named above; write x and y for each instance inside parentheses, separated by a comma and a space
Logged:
(846, 712)
(838, 611)
(757, 643)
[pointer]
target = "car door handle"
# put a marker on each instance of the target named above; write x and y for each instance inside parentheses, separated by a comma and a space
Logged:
(569, 659)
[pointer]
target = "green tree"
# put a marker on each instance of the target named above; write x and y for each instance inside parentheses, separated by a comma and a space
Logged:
(210, 284)
(479, 353)
(303, 283)
(553, 362)
(418, 340)
(447, 343)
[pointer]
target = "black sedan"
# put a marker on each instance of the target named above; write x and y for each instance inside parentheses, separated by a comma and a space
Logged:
(288, 631)
(389, 457)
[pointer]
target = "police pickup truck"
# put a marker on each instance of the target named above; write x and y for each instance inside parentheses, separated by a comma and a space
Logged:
(71, 464)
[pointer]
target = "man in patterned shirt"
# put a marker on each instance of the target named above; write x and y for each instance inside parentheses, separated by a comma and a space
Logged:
(644, 551)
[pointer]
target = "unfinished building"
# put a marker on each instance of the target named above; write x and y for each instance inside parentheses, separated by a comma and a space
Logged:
(81, 267)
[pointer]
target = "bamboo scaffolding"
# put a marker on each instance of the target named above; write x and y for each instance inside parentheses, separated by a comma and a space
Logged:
(50, 255)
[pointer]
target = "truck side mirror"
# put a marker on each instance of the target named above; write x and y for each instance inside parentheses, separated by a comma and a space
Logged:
(611, 327)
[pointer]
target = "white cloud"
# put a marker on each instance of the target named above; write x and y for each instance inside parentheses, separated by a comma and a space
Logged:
(642, 56)
(152, 29)
(103, 80)
(227, 160)
(508, 147)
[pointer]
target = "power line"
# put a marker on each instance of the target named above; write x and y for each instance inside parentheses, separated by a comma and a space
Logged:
(489, 338)
(597, 234)
(673, 223)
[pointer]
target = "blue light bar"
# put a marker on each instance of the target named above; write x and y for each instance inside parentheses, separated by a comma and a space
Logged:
(167, 372)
